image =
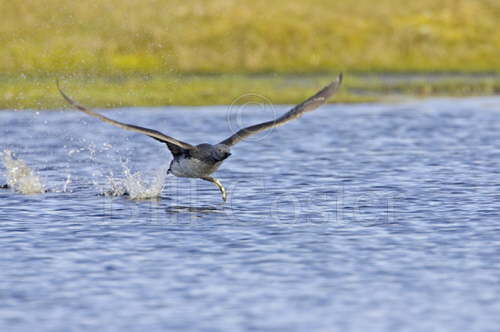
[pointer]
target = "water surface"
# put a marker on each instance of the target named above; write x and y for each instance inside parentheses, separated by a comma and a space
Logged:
(372, 217)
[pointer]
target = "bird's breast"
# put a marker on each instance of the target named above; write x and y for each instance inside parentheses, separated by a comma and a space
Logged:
(192, 167)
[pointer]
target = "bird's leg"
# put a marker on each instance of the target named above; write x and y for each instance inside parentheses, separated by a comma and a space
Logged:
(218, 184)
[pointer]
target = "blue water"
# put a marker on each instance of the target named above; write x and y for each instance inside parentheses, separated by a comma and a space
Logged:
(371, 217)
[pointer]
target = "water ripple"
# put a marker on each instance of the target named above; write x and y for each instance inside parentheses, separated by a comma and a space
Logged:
(367, 217)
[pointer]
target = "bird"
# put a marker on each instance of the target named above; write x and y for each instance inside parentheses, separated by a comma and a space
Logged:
(200, 161)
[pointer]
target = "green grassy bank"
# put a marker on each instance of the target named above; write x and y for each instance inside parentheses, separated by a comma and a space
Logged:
(158, 90)
(194, 52)
(232, 36)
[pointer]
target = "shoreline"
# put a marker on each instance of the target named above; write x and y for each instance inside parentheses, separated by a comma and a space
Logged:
(39, 92)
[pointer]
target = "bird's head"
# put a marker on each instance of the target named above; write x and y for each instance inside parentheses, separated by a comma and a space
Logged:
(221, 152)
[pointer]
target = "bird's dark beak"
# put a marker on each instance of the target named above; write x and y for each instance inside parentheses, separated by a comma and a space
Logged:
(224, 156)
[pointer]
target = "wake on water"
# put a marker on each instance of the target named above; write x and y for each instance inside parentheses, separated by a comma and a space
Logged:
(135, 186)
(22, 179)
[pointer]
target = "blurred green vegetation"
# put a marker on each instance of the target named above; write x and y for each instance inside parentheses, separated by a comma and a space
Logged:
(148, 51)
(231, 36)
(223, 89)
(158, 90)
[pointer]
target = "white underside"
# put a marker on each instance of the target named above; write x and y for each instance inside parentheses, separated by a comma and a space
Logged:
(192, 168)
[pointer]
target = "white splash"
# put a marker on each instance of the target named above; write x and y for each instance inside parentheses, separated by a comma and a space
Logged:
(20, 177)
(135, 186)
(67, 183)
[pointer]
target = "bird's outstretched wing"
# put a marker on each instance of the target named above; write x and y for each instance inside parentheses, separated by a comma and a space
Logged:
(306, 106)
(150, 132)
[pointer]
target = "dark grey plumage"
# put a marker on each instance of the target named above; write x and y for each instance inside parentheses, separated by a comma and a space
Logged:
(202, 160)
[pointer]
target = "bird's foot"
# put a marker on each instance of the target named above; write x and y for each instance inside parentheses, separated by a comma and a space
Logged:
(222, 189)
(224, 194)
(219, 185)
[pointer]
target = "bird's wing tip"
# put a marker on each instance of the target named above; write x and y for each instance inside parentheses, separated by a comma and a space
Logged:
(58, 86)
(334, 85)
(337, 82)
(340, 77)
(66, 97)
